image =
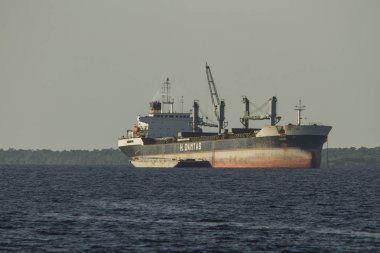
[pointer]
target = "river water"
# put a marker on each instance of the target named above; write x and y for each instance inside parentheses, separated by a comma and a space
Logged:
(119, 209)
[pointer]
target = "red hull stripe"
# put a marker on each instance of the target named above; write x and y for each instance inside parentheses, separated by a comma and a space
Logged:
(293, 163)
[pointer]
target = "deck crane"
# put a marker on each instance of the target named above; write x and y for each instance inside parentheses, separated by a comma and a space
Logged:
(219, 105)
(274, 119)
(198, 121)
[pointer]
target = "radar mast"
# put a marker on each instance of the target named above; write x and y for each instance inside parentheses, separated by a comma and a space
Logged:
(166, 98)
(299, 108)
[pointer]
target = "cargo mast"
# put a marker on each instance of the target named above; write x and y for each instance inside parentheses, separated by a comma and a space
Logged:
(245, 119)
(219, 105)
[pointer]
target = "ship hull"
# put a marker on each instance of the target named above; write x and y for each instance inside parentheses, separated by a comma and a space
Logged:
(240, 158)
(299, 150)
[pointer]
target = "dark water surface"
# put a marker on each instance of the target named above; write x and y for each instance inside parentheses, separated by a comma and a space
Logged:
(116, 209)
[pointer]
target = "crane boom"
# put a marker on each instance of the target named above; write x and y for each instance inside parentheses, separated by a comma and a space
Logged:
(213, 91)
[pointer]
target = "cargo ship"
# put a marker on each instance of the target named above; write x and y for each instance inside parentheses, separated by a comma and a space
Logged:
(168, 139)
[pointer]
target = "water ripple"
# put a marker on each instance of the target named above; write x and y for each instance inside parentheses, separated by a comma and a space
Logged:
(115, 209)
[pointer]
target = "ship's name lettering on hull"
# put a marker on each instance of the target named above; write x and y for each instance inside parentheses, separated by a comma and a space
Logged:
(194, 146)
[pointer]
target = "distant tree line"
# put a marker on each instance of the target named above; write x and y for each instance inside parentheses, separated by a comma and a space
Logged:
(333, 158)
(72, 157)
(351, 157)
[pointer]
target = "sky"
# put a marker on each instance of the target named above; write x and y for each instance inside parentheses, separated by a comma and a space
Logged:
(75, 74)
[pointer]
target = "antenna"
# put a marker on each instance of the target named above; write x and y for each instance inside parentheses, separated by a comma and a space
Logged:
(299, 108)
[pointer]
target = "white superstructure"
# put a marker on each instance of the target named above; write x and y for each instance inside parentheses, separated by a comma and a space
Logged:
(161, 122)
(158, 125)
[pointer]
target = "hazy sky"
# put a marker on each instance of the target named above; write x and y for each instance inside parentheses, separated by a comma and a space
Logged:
(75, 74)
